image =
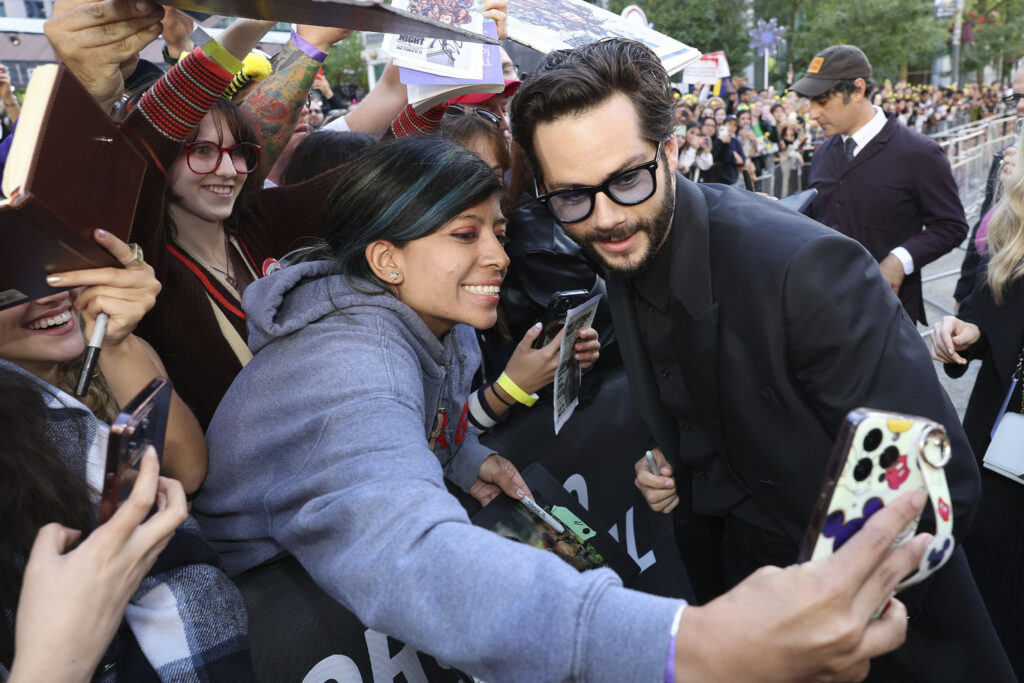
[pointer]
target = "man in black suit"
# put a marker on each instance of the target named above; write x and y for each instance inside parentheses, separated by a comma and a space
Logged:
(748, 332)
(878, 181)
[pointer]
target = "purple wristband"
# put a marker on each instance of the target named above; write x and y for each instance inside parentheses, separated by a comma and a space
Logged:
(310, 49)
(670, 663)
(670, 660)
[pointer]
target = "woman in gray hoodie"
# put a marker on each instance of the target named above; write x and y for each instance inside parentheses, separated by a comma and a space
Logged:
(326, 446)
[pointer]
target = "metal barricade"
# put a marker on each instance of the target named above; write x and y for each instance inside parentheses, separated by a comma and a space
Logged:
(970, 149)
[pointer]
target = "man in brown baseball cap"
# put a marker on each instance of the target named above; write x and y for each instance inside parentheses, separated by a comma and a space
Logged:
(877, 180)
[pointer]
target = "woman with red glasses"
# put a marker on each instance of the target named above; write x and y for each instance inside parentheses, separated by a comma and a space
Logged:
(209, 228)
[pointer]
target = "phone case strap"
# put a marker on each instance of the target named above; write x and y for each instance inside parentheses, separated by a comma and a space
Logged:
(932, 454)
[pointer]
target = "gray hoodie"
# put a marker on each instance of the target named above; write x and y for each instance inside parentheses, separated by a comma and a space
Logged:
(319, 449)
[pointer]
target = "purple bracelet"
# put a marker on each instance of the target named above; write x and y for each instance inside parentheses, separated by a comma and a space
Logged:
(308, 48)
(670, 661)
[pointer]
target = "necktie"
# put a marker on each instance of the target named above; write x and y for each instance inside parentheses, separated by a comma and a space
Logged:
(848, 147)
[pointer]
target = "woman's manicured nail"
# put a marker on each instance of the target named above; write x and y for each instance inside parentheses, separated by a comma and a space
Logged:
(53, 279)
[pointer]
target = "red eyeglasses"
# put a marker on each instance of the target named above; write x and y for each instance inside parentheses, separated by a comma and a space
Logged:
(203, 156)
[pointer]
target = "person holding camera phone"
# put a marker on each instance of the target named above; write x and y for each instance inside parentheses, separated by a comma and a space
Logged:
(694, 152)
(51, 456)
(355, 489)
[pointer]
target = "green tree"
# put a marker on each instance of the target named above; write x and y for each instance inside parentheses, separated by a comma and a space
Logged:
(992, 30)
(894, 34)
(345, 63)
(708, 25)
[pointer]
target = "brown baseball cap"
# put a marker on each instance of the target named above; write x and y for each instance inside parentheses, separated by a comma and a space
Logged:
(831, 65)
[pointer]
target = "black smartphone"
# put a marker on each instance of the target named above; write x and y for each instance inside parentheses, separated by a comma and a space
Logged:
(554, 315)
(142, 423)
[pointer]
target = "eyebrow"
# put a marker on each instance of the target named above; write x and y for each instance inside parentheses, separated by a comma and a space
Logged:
(630, 162)
(480, 219)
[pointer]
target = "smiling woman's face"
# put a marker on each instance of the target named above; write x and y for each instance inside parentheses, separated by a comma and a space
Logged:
(39, 335)
(454, 274)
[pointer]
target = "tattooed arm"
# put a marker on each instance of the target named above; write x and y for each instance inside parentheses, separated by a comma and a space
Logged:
(274, 105)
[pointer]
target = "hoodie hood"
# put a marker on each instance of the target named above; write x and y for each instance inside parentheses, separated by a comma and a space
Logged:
(300, 294)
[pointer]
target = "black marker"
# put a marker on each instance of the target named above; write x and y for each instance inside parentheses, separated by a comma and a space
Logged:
(92, 354)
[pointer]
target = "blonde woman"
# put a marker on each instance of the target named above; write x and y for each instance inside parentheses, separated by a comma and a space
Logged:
(990, 327)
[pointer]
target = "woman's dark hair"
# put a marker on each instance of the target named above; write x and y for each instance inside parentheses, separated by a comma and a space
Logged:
(399, 190)
(574, 81)
(467, 130)
(226, 117)
(323, 151)
(36, 487)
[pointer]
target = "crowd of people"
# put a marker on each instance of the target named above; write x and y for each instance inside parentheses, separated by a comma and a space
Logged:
(776, 131)
(345, 309)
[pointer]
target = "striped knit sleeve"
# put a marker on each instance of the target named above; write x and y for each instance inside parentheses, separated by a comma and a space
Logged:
(409, 123)
(180, 100)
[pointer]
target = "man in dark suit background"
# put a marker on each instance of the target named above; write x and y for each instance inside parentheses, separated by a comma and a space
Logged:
(748, 332)
(878, 181)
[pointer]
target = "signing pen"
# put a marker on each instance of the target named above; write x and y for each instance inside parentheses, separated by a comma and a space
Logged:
(92, 354)
(652, 464)
(539, 511)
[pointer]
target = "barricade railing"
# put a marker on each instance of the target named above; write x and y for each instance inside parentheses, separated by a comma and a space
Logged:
(970, 149)
(970, 152)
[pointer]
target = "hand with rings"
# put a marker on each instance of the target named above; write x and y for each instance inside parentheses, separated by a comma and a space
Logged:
(124, 294)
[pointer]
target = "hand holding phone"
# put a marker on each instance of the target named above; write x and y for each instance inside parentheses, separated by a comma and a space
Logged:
(140, 425)
(879, 456)
(76, 597)
(554, 315)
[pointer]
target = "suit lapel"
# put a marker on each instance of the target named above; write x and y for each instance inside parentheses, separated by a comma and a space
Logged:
(695, 313)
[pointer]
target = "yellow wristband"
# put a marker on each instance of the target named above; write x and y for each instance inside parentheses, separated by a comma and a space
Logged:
(513, 390)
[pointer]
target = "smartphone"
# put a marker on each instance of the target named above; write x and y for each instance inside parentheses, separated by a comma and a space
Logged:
(877, 457)
(142, 423)
(554, 315)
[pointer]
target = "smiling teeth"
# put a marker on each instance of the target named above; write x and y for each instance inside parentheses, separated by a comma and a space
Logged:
(51, 322)
(493, 290)
(223, 191)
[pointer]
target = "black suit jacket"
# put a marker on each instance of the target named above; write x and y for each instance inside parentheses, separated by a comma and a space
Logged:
(783, 326)
(900, 181)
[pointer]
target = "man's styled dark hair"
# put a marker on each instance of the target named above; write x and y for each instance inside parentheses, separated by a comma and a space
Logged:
(847, 87)
(573, 81)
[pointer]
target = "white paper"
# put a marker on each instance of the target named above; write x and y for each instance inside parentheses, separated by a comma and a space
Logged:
(452, 58)
(568, 374)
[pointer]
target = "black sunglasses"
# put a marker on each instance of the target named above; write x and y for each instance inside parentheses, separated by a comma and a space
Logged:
(630, 187)
(459, 110)
(1013, 99)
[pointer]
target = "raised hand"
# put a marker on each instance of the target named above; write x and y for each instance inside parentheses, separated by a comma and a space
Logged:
(100, 41)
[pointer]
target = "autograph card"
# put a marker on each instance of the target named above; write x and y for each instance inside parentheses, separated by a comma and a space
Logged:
(568, 374)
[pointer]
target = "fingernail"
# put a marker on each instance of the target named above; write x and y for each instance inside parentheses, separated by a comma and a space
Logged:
(101, 232)
(520, 493)
(536, 326)
(918, 499)
(669, 483)
(52, 279)
(144, 6)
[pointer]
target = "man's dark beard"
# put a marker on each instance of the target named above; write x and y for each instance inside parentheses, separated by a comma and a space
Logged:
(656, 228)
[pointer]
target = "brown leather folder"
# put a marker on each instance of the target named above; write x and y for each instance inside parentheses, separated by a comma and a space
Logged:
(74, 171)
